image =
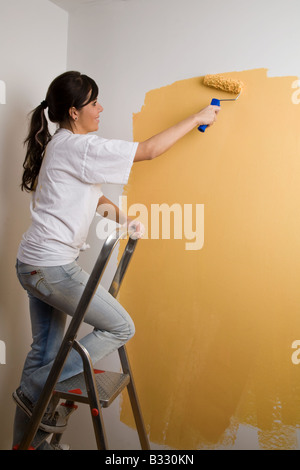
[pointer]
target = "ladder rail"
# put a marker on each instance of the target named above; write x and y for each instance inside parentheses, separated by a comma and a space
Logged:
(70, 336)
(124, 359)
(95, 406)
(122, 267)
(134, 401)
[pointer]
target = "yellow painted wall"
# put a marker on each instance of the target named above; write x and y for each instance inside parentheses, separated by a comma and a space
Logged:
(215, 326)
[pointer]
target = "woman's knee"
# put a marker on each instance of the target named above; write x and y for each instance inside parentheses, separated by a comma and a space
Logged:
(127, 330)
(122, 332)
(131, 329)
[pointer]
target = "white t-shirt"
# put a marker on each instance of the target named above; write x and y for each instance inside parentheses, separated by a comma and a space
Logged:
(67, 193)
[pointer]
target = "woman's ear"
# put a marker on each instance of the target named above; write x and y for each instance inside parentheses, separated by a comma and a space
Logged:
(73, 113)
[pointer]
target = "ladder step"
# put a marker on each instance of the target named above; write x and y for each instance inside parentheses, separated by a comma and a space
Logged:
(39, 438)
(109, 386)
(65, 410)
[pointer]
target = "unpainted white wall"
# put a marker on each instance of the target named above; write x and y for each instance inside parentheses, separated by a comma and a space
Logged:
(33, 50)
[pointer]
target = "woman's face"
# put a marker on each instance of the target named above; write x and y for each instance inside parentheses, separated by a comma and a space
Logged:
(87, 118)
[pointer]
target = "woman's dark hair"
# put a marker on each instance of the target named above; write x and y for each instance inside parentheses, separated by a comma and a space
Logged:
(70, 89)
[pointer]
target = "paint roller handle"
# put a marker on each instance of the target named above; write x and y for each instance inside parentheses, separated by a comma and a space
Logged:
(214, 102)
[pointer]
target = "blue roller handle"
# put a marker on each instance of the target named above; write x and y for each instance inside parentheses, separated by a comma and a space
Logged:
(214, 102)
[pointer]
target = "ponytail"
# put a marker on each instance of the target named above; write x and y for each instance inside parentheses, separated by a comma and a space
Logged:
(36, 142)
(70, 89)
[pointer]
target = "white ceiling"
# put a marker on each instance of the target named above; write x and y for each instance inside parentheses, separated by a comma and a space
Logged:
(71, 5)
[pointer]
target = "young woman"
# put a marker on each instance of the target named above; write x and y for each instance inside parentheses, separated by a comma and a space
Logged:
(64, 173)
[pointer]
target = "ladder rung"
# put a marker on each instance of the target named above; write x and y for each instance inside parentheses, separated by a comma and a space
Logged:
(109, 386)
(39, 438)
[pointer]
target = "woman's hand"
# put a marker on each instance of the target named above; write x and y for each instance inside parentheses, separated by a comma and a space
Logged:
(208, 115)
(136, 229)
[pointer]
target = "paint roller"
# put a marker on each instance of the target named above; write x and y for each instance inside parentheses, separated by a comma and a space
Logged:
(225, 84)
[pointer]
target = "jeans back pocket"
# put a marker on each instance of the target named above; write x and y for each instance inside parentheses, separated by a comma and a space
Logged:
(35, 283)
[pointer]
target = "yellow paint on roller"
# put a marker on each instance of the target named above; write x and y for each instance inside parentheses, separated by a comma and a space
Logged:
(230, 85)
(215, 326)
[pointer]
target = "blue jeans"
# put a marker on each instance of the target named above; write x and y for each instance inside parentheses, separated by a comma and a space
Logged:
(54, 293)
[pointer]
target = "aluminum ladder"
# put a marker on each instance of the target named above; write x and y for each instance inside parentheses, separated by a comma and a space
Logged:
(96, 388)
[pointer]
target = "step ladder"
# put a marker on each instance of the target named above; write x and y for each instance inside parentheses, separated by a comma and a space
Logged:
(95, 388)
